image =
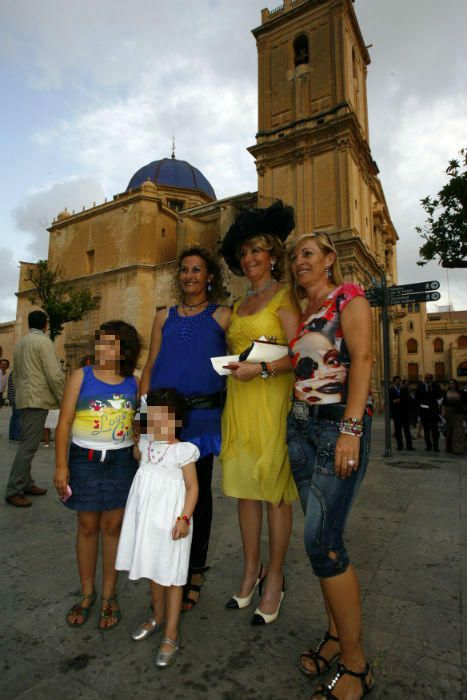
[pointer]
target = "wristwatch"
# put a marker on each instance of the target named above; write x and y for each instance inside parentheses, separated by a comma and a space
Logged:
(264, 374)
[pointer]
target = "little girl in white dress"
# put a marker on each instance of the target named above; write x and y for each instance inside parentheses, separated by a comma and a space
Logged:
(156, 533)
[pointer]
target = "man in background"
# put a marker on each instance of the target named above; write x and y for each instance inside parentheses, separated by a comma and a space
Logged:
(4, 364)
(39, 385)
(429, 397)
(399, 399)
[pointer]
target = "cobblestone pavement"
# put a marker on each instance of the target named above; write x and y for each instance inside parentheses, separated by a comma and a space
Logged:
(407, 537)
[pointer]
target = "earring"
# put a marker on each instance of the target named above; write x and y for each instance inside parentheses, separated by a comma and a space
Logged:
(328, 272)
(272, 265)
(209, 286)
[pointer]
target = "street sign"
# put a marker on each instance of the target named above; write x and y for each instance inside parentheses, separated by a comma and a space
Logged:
(404, 293)
(412, 297)
(414, 288)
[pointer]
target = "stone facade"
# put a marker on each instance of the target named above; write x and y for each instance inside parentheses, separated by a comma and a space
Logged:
(430, 342)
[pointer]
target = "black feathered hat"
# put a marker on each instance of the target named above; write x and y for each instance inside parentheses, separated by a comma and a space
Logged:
(277, 220)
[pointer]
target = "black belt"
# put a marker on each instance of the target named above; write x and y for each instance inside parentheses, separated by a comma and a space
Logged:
(303, 411)
(206, 400)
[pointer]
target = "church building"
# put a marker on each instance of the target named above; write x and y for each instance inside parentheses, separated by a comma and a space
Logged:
(312, 151)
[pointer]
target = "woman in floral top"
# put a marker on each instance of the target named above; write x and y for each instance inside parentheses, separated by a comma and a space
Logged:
(328, 435)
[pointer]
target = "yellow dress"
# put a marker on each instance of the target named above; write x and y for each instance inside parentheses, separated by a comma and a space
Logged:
(254, 457)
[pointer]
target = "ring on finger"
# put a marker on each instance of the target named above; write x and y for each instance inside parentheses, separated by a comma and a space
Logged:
(351, 462)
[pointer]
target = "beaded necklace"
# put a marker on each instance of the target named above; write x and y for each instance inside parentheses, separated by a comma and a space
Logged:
(159, 459)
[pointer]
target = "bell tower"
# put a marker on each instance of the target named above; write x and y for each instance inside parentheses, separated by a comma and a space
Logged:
(312, 146)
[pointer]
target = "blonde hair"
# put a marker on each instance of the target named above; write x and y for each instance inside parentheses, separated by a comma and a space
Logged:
(273, 246)
(325, 245)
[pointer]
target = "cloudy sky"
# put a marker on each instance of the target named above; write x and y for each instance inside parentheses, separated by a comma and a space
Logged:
(92, 91)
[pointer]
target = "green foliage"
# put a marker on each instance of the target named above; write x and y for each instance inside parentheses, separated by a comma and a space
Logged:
(60, 302)
(445, 230)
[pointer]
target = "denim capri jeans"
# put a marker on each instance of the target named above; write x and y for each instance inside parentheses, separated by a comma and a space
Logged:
(326, 498)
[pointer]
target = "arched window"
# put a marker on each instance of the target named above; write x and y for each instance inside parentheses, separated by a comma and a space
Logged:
(412, 371)
(412, 346)
(440, 372)
(301, 50)
(462, 342)
(462, 369)
(438, 345)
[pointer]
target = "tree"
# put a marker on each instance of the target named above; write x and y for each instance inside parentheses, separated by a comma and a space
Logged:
(445, 230)
(60, 301)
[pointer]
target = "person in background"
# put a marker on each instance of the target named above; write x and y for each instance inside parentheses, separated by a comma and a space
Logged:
(429, 397)
(455, 411)
(399, 401)
(14, 431)
(4, 365)
(39, 387)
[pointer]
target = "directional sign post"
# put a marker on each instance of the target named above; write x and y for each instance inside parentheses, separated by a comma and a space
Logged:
(385, 322)
(381, 295)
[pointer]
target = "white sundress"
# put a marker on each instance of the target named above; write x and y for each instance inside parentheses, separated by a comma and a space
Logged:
(146, 548)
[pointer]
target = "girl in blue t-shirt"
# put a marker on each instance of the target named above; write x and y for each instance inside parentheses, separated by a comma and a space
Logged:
(93, 476)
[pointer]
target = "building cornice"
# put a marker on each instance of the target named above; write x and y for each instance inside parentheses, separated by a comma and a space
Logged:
(97, 276)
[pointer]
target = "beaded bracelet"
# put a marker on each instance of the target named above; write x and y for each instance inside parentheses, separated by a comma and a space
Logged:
(272, 369)
(351, 426)
(185, 518)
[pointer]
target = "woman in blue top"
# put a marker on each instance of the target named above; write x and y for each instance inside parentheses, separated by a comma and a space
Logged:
(183, 340)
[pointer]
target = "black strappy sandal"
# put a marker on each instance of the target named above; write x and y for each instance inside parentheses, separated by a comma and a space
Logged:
(325, 691)
(321, 664)
(187, 599)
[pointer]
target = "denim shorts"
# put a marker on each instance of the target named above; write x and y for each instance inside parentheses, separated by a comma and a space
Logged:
(99, 480)
(326, 498)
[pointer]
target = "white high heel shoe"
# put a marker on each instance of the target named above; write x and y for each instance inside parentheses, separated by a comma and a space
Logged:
(262, 618)
(237, 603)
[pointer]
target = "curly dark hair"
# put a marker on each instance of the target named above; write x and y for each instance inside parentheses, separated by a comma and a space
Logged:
(171, 398)
(131, 344)
(218, 290)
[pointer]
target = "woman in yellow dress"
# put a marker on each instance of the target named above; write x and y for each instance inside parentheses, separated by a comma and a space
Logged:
(254, 452)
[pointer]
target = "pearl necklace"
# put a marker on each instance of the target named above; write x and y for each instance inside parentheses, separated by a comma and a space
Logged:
(255, 292)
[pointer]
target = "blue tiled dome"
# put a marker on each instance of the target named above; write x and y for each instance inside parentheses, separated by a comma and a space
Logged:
(174, 173)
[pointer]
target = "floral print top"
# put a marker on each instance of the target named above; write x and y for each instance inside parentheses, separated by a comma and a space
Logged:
(319, 354)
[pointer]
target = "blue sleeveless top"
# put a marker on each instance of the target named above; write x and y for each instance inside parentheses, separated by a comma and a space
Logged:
(183, 363)
(104, 413)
